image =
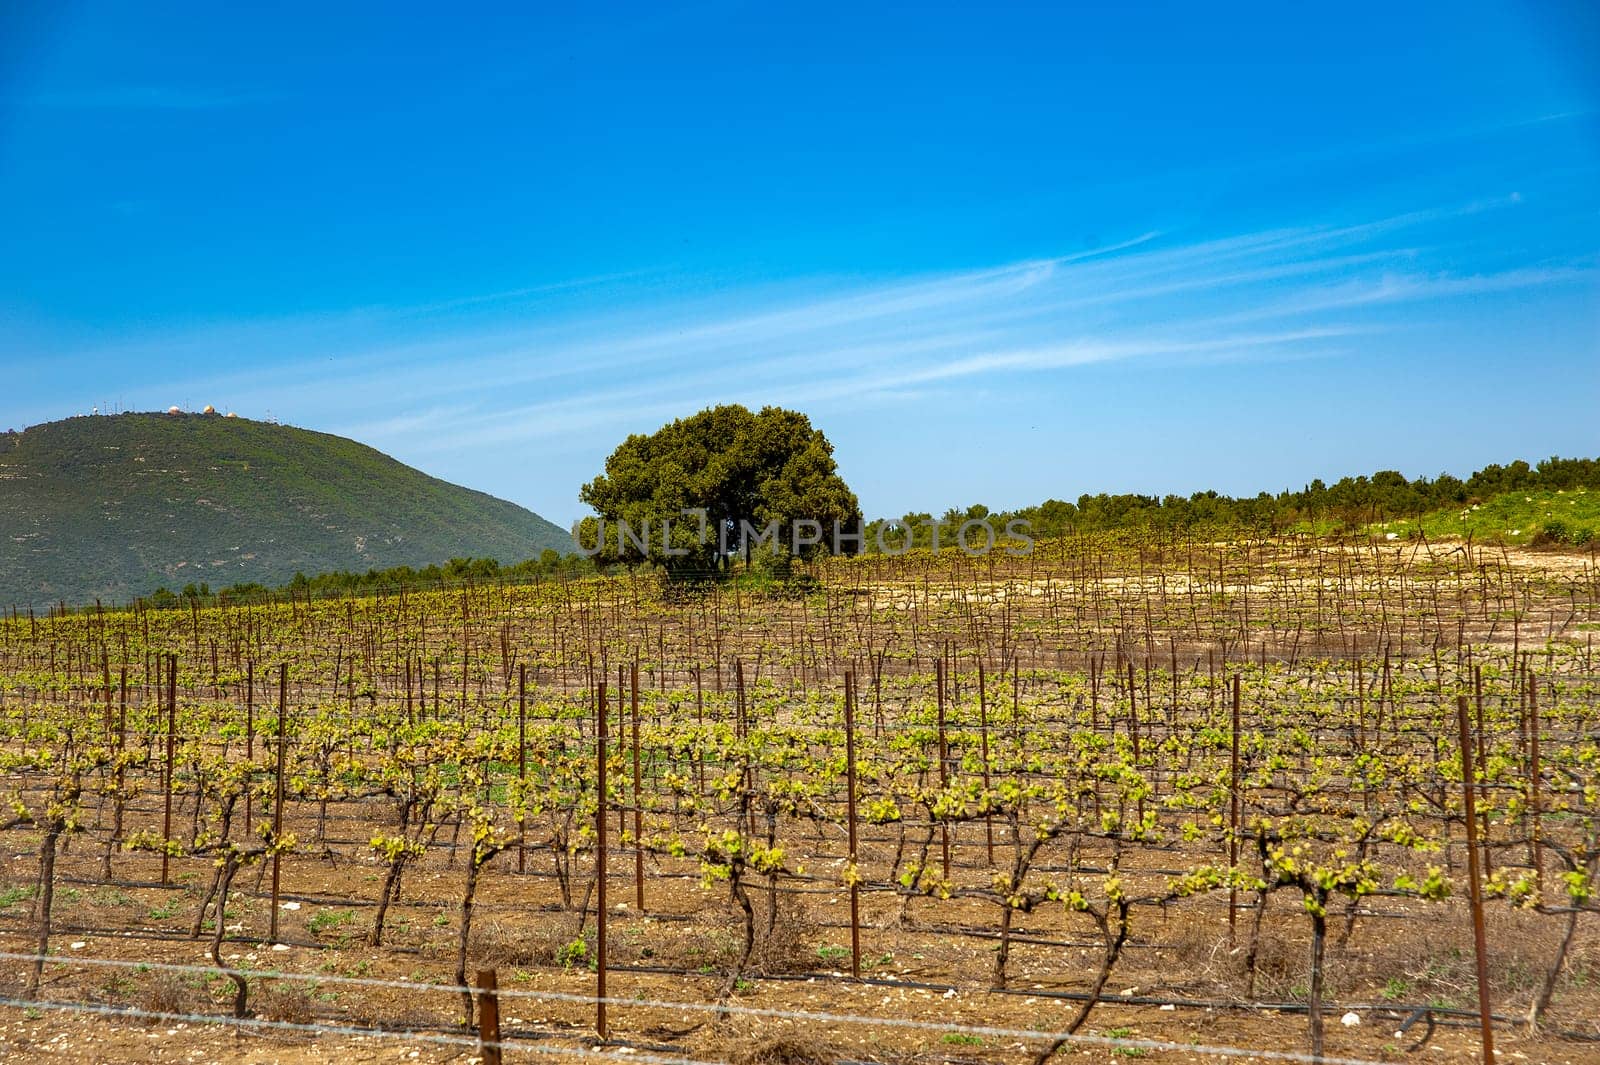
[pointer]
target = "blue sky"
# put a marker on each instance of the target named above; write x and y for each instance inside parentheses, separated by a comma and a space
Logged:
(998, 254)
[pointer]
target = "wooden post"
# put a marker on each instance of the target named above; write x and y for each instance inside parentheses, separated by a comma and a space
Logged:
(1133, 714)
(622, 737)
(944, 766)
(488, 1017)
(741, 729)
(172, 728)
(638, 817)
(1475, 889)
(1535, 799)
(522, 764)
(277, 797)
(121, 776)
(1233, 816)
(249, 733)
(850, 817)
(700, 722)
(600, 867)
(983, 739)
(1094, 693)
(1483, 751)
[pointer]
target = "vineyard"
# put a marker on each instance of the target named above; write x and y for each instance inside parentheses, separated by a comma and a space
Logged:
(1279, 798)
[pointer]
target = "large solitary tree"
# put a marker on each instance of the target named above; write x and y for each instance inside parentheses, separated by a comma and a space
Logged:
(764, 482)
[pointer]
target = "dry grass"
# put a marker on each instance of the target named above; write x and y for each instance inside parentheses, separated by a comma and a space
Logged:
(547, 940)
(713, 939)
(287, 1001)
(783, 1049)
(1283, 963)
(785, 942)
(165, 992)
(1522, 946)
(1432, 962)
(401, 1012)
(1204, 956)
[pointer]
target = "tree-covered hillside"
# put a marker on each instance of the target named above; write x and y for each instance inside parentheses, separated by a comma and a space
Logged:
(115, 506)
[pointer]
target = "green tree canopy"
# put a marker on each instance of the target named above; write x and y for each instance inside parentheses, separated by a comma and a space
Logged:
(765, 482)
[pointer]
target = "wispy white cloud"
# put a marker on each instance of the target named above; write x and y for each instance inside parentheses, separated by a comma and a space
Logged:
(466, 376)
(1395, 287)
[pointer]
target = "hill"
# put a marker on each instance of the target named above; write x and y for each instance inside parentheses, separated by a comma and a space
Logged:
(111, 507)
(1538, 517)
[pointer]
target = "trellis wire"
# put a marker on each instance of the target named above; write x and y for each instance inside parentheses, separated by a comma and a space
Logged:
(686, 1007)
(622, 1054)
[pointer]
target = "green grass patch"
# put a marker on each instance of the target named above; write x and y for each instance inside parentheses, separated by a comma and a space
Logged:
(328, 920)
(1570, 518)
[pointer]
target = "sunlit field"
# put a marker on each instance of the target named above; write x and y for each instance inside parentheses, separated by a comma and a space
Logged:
(1118, 797)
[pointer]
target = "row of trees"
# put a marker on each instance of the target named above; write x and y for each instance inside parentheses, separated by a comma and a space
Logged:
(701, 491)
(375, 581)
(1350, 501)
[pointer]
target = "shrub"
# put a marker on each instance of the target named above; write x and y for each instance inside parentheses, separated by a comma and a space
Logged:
(290, 1002)
(1553, 532)
(165, 993)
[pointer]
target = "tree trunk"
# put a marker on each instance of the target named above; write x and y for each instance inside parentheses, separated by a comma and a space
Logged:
(1542, 1001)
(466, 929)
(1003, 952)
(1253, 953)
(742, 897)
(46, 896)
(1114, 944)
(200, 916)
(391, 891)
(241, 990)
(1319, 940)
